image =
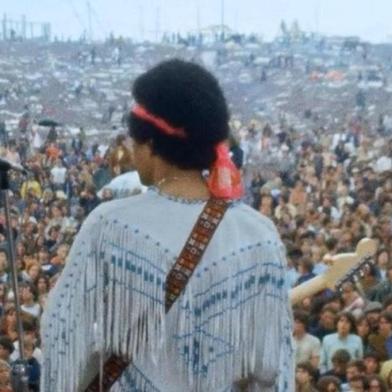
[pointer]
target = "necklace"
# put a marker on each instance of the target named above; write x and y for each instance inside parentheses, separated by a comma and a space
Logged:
(164, 180)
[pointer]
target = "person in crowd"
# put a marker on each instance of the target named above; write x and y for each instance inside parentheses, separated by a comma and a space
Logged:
(386, 373)
(8, 323)
(31, 187)
(120, 157)
(372, 363)
(326, 324)
(307, 347)
(31, 272)
(328, 384)
(6, 348)
(358, 383)
(376, 384)
(293, 256)
(43, 285)
(3, 297)
(340, 361)
(298, 196)
(305, 378)
(29, 300)
(89, 199)
(383, 259)
(305, 270)
(30, 326)
(362, 327)
(344, 338)
(4, 276)
(5, 376)
(369, 279)
(382, 289)
(381, 342)
(354, 369)
(372, 312)
(34, 367)
(352, 301)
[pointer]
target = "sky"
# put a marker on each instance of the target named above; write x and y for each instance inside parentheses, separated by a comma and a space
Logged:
(369, 19)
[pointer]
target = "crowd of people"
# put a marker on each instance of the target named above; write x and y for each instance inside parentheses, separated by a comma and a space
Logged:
(332, 190)
(325, 191)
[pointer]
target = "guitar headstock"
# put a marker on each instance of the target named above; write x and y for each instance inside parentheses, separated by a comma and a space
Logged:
(345, 266)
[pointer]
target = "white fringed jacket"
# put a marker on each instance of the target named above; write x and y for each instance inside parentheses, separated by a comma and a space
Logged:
(234, 317)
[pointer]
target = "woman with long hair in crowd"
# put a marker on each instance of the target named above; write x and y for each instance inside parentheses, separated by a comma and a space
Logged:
(43, 284)
(370, 277)
(383, 258)
(31, 272)
(352, 301)
(363, 330)
(8, 323)
(329, 384)
(305, 377)
(344, 338)
(3, 297)
(377, 384)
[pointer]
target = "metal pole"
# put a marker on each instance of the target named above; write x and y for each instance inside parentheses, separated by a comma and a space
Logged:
(90, 28)
(14, 272)
(157, 23)
(23, 29)
(222, 19)
(198, 25)
(5, 27)
(141, 22)
(20, 376)
(49, 31)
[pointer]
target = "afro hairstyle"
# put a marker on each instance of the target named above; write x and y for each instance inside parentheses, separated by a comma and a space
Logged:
(186, 96)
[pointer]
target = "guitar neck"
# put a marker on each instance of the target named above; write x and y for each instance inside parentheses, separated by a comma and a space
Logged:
(307, 289)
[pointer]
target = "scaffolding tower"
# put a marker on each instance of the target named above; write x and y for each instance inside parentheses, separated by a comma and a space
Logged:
(12, 29)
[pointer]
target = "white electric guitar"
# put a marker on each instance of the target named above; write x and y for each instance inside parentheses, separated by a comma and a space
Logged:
(343, 267)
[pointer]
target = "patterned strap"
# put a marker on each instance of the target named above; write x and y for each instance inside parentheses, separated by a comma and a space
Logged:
(176, 281)
(194, 249)
(112, 370)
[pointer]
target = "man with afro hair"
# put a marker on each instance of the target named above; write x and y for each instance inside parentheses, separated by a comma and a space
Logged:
(230, 329)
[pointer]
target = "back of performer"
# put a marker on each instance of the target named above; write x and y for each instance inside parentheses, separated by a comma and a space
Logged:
(231, 327)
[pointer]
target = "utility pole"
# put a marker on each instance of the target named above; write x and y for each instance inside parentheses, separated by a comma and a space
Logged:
(317, 16)
(90, 29)
(141, 22)
(5, 27)
(23, 29)
(222, 19)
(157, 22)
(198, 16)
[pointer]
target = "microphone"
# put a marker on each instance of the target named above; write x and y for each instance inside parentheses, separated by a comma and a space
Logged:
(6, 165)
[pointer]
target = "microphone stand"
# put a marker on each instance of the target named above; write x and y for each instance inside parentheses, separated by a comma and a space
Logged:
(19, 373)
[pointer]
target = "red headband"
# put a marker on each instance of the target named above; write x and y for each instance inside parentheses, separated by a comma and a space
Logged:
(158, 122)
(224, 181)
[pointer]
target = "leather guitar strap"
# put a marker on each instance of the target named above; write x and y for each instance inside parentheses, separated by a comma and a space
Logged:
(176, 282)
